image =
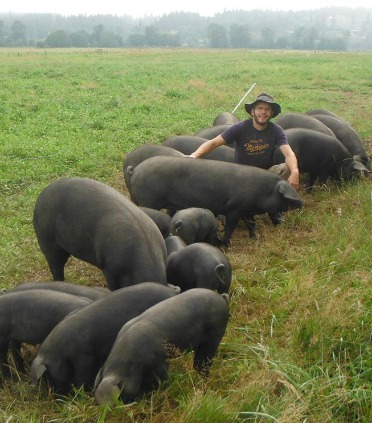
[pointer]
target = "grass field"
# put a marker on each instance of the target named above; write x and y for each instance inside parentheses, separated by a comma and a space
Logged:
(298, 344)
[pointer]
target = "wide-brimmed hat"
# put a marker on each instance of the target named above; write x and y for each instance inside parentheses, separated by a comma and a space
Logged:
(267, 99)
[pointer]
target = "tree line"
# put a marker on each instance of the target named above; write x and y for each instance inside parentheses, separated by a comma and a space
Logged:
(333, 28)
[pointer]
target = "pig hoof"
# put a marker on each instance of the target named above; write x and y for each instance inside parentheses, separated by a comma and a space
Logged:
(277, 218)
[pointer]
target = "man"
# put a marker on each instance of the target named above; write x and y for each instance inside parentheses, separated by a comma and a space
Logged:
(256, 139)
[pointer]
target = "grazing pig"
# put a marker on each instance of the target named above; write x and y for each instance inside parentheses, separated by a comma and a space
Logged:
(321, 112)
(141, 153)
(187, 144)
(195, 224)
(348, 137)
(211, 131)
(198, 265)
(225, 118)
(29, 316)
(75, 350)
(194, 320)
(321, 156)
(229, 189)
(96, 223)
(161, 219)
(174, 244)
(91, 292)
(302, 120)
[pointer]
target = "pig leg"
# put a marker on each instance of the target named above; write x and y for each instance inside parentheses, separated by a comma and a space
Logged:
(15, 348)
(132, 386)
(111, 279)
(141, 381)
(232, 220)
(311, 181)
(85, 371)
(276, 218)
(57, 258)
(204, 354)
(154, 377)
(4, 346)
(250, 225)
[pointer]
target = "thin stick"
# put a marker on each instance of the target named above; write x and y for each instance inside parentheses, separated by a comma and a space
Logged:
(245, 95)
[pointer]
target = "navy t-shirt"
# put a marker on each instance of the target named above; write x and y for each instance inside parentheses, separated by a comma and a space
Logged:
(254, 147)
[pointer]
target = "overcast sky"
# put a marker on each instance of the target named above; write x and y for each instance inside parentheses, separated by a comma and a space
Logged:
(140, 8)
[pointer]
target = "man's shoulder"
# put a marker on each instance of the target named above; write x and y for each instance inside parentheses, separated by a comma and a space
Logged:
(234, 130)
(243, 123)
(275, 126)
(277, 129)
(281, 137)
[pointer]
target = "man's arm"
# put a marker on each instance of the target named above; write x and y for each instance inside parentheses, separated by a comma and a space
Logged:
(291, 162)
(208, 146)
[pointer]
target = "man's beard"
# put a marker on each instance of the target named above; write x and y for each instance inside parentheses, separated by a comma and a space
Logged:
(261, 121)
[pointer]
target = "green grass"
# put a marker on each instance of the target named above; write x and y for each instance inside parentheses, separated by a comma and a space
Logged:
(298, 344)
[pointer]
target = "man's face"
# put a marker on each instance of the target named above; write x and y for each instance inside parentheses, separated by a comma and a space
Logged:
(262, 113)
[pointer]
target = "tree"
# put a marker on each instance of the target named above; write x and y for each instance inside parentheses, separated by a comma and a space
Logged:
(217, 36)
(80, 39)
(239, 36)
(58, 38)
(334, 43)
(235, 29)
(152, 36)
(368, 42)
(267, 38)
(18, 33)
(136, 40)
(169, 40)
(305, 37)
(110, 39)
(97, 34)
(282, 42)
(3, 34)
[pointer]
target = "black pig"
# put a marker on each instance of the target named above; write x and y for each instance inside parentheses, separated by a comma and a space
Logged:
(75, 350)
(194, 320)
(229, 189)
(96, 223)
(29, 316)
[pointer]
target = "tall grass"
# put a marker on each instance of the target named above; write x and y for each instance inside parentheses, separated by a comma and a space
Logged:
(298, 344)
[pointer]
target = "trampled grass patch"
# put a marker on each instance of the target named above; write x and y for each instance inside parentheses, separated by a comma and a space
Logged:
(298, 344)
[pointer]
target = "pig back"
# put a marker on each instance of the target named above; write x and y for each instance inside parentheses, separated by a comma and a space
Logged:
(187, 144)
(180, 183)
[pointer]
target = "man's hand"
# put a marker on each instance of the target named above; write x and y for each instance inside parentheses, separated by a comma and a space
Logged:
(294, 179)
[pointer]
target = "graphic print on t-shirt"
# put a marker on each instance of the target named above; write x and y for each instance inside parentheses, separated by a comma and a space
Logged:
(256, 146)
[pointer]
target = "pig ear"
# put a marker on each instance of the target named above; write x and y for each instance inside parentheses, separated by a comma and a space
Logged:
(107, 391)
(98, 379)
(37, 371)
(287, 191)
(175, 288)
(225, 297)
(178, 226)
(221, 275)
(359, 167)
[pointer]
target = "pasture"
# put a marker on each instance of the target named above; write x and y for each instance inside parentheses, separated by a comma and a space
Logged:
(298, 344)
